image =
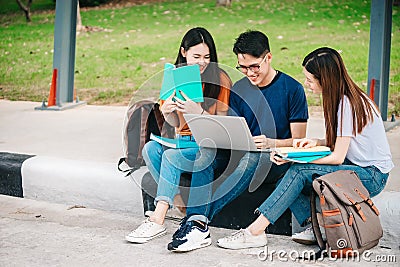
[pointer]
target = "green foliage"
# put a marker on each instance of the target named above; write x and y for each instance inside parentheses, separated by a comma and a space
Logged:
(125, 53)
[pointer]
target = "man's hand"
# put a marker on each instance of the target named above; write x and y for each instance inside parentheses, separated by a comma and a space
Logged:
(263, 142)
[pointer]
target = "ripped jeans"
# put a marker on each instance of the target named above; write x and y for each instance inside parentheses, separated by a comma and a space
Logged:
(166, 165)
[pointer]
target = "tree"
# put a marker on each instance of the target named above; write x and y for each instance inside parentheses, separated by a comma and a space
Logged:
(26, 8)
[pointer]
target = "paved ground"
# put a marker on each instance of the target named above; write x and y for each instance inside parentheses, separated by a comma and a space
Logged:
(88, 133)
(35, 233)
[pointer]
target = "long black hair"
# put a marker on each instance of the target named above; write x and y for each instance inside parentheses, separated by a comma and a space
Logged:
(211, 75)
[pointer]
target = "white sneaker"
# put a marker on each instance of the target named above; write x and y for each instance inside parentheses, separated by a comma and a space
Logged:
(307, 236)
(145, 232)
(243, 239)
(172, 214)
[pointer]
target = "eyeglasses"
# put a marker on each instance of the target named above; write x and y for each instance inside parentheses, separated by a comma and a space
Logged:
(253, 68)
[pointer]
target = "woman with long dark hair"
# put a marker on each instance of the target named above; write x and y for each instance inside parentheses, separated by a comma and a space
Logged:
(167, 165)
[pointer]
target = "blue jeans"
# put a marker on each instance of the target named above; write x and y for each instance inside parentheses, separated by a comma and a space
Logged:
(294, 187)
(253, 169)
(166, 166)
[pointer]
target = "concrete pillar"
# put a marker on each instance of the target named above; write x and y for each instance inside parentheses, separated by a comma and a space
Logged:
(379, 53)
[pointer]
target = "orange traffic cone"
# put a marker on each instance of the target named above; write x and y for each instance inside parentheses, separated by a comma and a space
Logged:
(372, 90)
(52, 95)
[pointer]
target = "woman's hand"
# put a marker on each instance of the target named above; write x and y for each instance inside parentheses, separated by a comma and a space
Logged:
(188, 106)
(276, 159)
(169, 105)
(263, 142)
(304, 143)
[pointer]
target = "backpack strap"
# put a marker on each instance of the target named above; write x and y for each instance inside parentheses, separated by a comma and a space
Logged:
(368, 201)
(128, 170)
(314, 221)
(357, 206)
(166, 130)
(143, 131)
(315, 225)
(159, 117)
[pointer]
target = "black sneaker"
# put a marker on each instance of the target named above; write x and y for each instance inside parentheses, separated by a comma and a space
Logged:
(190, 236)
(182, 223)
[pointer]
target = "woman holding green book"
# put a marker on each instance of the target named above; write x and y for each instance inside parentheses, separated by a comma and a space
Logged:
(167, 165)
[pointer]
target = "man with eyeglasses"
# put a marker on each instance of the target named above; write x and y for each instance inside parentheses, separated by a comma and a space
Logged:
(275, 108)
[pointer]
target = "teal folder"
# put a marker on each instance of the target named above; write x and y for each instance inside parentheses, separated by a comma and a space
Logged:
(307, 154)
(186, 79)
(304, 159)
(302, 155)
(173, 143)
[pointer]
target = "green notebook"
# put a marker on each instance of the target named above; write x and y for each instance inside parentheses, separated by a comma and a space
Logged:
(186, 79)
(173, 143)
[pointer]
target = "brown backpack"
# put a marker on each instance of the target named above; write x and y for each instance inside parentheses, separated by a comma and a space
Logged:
(350, 218)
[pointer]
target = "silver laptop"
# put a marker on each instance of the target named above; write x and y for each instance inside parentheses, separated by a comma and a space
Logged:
(216, 131)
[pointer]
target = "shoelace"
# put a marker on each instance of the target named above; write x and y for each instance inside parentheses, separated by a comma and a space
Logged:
(143, 227)
(309, 230)
(236, 235)
(183, 230)
(183, 221)
(180, 229)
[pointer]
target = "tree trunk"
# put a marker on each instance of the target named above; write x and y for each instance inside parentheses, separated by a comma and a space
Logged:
(26, 9)
(224, 2)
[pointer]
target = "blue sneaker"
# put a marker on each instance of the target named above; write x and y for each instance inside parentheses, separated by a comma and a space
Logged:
(190, 236)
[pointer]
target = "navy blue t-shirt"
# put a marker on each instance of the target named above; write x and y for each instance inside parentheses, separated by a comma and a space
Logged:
(269, 110)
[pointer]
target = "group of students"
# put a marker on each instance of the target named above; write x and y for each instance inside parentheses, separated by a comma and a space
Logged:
(275, 108)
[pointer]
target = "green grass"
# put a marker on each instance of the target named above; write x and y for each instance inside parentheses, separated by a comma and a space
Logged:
(124, 60)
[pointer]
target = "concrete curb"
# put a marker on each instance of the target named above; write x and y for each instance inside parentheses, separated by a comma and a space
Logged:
(90, 184)
(10, 173)
(389, 125)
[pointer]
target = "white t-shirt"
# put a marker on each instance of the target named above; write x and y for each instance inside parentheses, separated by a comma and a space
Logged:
(370, 147)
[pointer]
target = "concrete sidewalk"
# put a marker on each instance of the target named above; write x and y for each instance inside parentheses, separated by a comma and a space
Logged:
(36, 233)
(74, 164)
(88, 133)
